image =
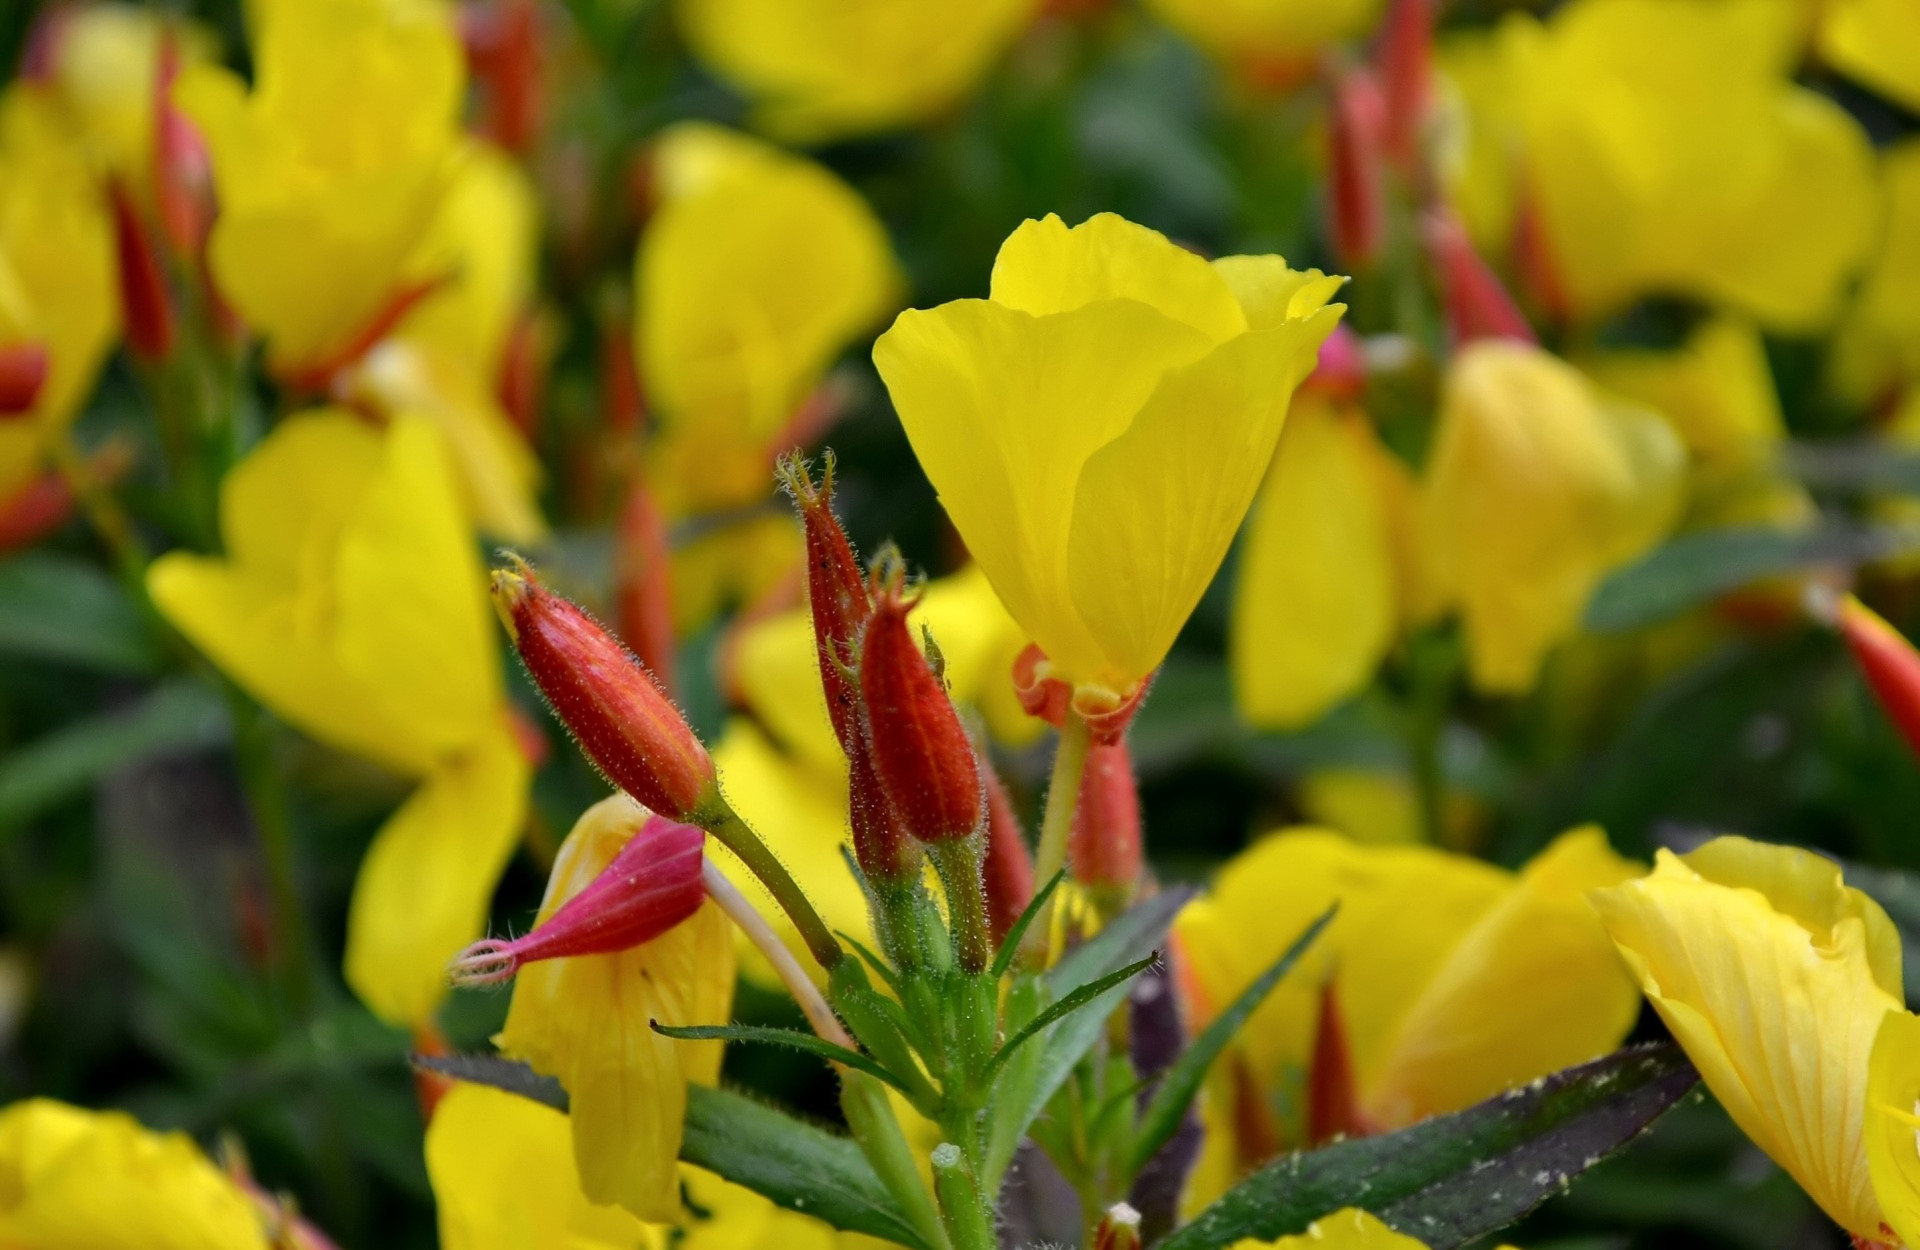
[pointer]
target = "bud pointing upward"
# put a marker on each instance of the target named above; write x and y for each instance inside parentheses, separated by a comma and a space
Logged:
(1889, 662)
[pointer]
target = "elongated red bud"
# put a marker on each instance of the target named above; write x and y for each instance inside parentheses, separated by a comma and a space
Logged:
(182, 169)
(1007, 870)
(1406, 76)
(1356, 157)
(1105, 847)
(880, 846)
(653, 884)
(612, 705)
(622, 398)
(23, 371)
(1477, 303)
(921, 752)
(1889, 663)
(145, 306)
(836, 594)
(1333, 1106)
(643, 577)
(503, 50)
(522, 381)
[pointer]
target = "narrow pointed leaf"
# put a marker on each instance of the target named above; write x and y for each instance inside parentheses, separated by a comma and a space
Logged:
(1080, 998)
(1010, 947)
(792, 1039)
(1459, 1177)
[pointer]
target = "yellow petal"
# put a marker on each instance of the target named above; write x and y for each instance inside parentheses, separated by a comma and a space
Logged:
(1351, 1229)
(1315, 609)
(1893, 1124)
(484, 242)
(1876, 42)
(80, 1180)
(1878, 347)
(731, 565)
(1276, 31)
(1772, 974)
(724, 1216)
(503, 1177)
(1044, 267)
(1270, 294)
(585, 1020)
(1534, 987)
(426, 882)
(1717, 391)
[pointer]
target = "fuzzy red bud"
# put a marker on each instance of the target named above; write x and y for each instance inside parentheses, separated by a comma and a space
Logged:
(921, 751)
(1105, 846)
(1889, 663)
(1006, 871)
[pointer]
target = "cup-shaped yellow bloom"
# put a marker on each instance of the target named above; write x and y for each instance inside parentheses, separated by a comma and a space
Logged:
(71, 1178)
(1876, 42)
(585, 1021)
(352, 603)
(1097, 428)
(1775, 976)
(819, 69)
(1268, 34)
(57, 271)
(330, 171)
(1455, 979)
(1537, 487)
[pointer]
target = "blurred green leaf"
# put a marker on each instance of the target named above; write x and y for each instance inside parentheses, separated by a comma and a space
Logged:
(54, 607)
(1458, 1177)
(1868, 464)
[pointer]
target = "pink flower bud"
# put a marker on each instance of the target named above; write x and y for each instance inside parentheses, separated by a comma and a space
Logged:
(921, 752)
(182, 168)
(23, 371)
(652, 885)
(1105, 846)
(1340, 371)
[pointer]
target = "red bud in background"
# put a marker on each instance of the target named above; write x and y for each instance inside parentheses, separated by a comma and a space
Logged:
(1007, 870)
(1356, 190)
(182, 170)
(503, 51)
(1333, 1107)
(921, 752)
(1406, 76)
(522, 382)
(643, 582)
(1477, 304)
(621, 396)
(1105, 846)
(614, 708)
(652, 885)
(1889, 663)
(23, 371)
(145, 306)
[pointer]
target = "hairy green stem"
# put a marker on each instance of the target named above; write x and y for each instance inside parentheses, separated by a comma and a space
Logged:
(870, 1115)
(961, 1205)
(1056, 826)
(733, 833)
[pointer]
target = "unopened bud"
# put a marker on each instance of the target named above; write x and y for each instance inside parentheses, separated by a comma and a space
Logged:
(1119, 1229)
(1007, 870)
(23, 371)
(1889, 663)
(503, 49)
(1105, 848)
(522, 378)
(1478, 305)
(653, 884)
(643, 582)
(836, 594)
(612, 705)
(1406, 76)
(921, 752)
(145, 306)
(182, 169)
(1356, 158)
(1333, 1105)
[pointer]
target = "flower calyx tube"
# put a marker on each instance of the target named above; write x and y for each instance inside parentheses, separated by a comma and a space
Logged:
(1887, 660)
(653, 884)
(1054, 701)
(1105, 851)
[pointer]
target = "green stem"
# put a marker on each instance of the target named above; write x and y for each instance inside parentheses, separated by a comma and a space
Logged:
(1056, 825)
(870, 1115)
(267, 801)
(733, 833)
(960, 1203)
(958, 863)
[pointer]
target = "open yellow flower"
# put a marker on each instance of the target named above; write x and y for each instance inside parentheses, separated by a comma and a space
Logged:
(352, 603)
(326, 192)
(1455, 980)
(1877, 349)
(1268, 34)
(1776, 977)
(1098, 427)
(820, 69)
(1598, 482)
(1893, 1116)
(1351, 1229)
(585, 1021)
(72, 1178)
(1876, 42)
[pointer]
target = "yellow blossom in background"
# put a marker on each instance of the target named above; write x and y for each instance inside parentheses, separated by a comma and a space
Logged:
(1269, 34)
(585, 1021)
(1775, 976)
(1455, 979)
(1098, 427)
(326, 192)
(1876, 351)
(352, 603)
(82, 1180)
(57, 271)
(820, 69)
(1875, 42)
(1536, 487)
(1351, 1229)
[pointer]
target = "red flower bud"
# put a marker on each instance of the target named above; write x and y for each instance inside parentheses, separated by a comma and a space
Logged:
(503, 49)
(146, 309)
(921, 752)
(644, 582)
(182, 169)
(1105, 846)
(612, 705)
(653, 884)
(1889, 663)
(621, 394)
(882, 849)
(1356, 191)
(836, 595)
(1333, 1106)
(1406, 76)
(1477, 304)
(1049, 698)
(23, 371)
(1007, 871)
(522, 378)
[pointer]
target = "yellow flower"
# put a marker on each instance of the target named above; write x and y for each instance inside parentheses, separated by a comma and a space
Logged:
(1877, 349)
(71, 1178)
(1537, 487)
(326, 192)
(57, 271)
(819, 69)
(1775, 976)
(1264, 34)
(1876, 42)
(585, 1021)
(1455, 979)
(1351, 1229)
(1893, 1116)
(1098, 427)
(503, 1176)
(352, 603)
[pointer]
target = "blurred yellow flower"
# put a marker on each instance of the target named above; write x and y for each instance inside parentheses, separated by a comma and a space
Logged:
(57, 271)
(1876, 42)
(585, 1021)
(1098, 427)
(1536, 487)
(1268, 35)
(352, 603)
(820, 69)
(1877, 348)
(325, 193)
(1775, 976)
(72, 1179)
(1455, 979)
(1351, 1229)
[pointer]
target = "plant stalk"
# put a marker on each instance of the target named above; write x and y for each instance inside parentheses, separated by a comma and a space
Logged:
(1056, 825)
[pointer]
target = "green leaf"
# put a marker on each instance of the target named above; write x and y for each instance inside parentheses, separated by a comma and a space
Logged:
(1010, 947)
(1866, 464)
(1182, 1080)
(792, 1039)
(57, 608)
(798, 1166)
(1696, 568)
(1458, 1177)
(175, 718)
(1079, 998)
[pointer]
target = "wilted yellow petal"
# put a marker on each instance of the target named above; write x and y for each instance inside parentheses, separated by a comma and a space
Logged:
(1893, 1124)
(584, 1021)
(1876, 42)
(1315, 609)
(503, 1177)
(82, 1180)
(1775, 977)
(425, 885)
